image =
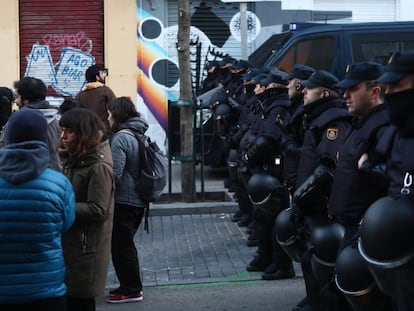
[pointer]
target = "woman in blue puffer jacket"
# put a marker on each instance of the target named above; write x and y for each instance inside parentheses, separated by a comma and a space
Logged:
(37, 204)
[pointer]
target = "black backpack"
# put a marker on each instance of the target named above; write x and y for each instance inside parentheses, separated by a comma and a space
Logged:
(152, 178)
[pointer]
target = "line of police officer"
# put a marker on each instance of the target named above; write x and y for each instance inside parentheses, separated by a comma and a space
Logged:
(347, 167)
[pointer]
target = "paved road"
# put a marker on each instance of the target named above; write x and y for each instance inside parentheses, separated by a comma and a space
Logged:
(195, 258)
(219, 296)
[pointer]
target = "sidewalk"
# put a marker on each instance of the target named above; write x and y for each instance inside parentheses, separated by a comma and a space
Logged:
(193, 242)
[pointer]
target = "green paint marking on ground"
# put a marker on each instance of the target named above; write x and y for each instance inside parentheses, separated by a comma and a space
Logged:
(240, 275)
(219, 283)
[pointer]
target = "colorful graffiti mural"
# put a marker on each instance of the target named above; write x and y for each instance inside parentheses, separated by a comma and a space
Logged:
(157, 58)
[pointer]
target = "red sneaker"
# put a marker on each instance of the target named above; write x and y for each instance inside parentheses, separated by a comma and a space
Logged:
(122, 298)
(115, 291)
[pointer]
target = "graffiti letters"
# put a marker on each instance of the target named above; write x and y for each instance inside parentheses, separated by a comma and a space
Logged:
(40, 64)
(68, 78)
(58, 41)
(71, 70)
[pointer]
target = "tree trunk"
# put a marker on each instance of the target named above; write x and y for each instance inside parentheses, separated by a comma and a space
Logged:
(186, 96)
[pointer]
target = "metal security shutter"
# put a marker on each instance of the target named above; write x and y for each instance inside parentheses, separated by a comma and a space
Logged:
(213, 17)
(362, 11)
(51, 27)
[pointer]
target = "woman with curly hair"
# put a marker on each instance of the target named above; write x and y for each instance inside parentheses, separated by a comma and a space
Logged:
(87, 162)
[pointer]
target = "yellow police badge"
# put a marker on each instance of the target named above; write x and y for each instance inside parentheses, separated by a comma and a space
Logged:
(332, 133)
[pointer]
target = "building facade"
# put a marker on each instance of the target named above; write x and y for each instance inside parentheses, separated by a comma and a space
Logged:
(135, 39)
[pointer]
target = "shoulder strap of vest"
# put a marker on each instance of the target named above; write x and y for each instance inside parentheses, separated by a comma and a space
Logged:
(284, 103)
(329, 116)
(373, 124)
(385, 144)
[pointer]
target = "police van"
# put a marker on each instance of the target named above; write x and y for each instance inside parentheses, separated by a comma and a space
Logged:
(333, 46)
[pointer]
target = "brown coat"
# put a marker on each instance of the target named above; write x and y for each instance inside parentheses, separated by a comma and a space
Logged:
(87, 244)
(95, 96)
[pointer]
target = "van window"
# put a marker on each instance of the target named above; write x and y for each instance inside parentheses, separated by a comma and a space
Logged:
(378, 47)
(315, 52)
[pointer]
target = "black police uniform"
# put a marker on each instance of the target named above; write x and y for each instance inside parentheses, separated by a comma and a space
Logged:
(246, 136)
(210, 81)
(264, 154)
(246, 117)
(326, 123)
(293, 128)
(399, 142)
(353, 189)
(234, 87)
(356, 189)
(291, 142)
(400, 167)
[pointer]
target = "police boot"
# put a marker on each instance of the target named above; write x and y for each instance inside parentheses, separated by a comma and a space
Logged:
(281, 267)
(264, 250)
(244, 205)
(252, 236)
(237, 216)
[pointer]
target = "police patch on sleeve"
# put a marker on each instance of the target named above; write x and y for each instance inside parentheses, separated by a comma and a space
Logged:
(332, 133)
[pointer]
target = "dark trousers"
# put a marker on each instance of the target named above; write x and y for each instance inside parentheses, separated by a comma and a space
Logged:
(80, 304)
(127, 220)
(49, 304)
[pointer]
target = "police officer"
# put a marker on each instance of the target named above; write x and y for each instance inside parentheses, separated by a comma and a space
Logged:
(209, 82)
(223, 70)
(292, 128)
(399, 81)
(354, 187)
(245, 116)
(262, 157)
(325, 124)
(239, 140)
(234, 87)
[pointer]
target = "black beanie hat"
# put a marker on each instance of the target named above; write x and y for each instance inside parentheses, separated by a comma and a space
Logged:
(27, 124)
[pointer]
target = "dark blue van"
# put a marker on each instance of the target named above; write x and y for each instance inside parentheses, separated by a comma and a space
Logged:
(333, 46)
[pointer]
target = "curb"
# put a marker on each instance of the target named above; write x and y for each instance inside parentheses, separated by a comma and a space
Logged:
(181, 208)
(214, 202)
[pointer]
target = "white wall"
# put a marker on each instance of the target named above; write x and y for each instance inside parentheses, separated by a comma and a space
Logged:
(405, 10)
(297, 5)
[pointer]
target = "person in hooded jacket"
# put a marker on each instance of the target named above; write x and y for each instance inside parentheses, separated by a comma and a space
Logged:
(87, 162)
(31, 92)
(129, 207)
(37, 204)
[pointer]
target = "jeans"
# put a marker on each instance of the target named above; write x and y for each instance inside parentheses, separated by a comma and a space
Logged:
(127, 220)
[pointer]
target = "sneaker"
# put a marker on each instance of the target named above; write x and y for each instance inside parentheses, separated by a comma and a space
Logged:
(115, 291)
(122, 298)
